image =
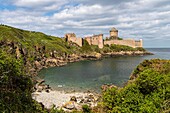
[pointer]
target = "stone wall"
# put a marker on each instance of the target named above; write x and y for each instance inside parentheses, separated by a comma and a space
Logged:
(95, 40)
(127, 42)
(89, 40)
(139, 43)
(98, 40)
(72, 37)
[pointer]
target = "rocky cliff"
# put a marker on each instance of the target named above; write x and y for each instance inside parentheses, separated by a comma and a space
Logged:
(37, 50)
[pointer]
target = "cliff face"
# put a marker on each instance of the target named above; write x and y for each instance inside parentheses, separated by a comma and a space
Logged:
(38, 50)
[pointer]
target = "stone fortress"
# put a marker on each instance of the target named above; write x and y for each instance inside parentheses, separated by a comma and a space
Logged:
(72, 37)
(100, 42)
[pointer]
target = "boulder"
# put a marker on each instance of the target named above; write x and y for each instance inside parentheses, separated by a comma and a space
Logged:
(98, 55)
(69, 105)
(51, 62)
(37, 65)
(73, 98)
(39, 88)
(106, 86)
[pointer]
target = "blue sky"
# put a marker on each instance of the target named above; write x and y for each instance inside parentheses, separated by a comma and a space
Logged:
(139, 19)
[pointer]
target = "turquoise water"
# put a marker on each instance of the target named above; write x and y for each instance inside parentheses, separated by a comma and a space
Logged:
(90, 75)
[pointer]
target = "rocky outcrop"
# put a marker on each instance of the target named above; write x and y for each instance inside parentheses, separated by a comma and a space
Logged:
(76, 102)
(18, 54)
(108, 86)
(92, 56)
(126, 53)
(41, 86)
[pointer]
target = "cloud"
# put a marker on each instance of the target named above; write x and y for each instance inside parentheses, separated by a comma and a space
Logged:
(103, 2)
(40, 5)
(147, 19)
(80, 11)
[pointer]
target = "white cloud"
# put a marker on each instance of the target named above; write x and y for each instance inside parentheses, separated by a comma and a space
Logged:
(40, 5)
(134, 19)
(80, 11)
(28, 3)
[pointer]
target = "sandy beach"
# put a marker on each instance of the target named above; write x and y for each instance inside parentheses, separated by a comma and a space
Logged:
(60, 98)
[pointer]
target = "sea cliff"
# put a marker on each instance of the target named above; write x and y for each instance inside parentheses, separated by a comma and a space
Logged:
(38, 50)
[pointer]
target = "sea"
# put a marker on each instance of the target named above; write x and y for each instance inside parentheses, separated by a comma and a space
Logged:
(91, 75)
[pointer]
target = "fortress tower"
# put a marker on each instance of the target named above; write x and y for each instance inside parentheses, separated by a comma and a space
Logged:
(114, 33)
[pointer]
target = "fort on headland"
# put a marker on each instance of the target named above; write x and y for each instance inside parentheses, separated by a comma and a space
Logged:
(100, 42)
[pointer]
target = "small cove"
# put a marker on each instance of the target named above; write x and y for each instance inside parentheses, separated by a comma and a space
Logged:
(90, 75)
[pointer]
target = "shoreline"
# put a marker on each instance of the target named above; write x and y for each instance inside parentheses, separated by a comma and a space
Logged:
(61, 61)
(60, 99)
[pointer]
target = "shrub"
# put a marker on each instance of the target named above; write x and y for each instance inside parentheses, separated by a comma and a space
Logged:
(86, 109)
(15, 87)
(149, 92)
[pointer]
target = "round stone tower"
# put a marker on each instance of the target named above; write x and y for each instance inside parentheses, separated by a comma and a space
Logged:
(114, 33)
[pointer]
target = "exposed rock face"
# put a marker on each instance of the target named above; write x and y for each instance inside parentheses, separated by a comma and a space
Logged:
(128, 53)
(41, 86)
(40, 58)
(18, 55)
(38, 65)
(92, 56)
(106, 86)
(51, 62)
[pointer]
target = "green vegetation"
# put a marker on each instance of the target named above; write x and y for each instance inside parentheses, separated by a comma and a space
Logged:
(118, 48)
(148, 91)
(86, 48)
(15, 87)
(35, 41)
(86, 109)
(120, 38)
(30, 39)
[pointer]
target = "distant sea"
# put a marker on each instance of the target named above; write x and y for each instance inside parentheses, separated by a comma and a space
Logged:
(90, 75)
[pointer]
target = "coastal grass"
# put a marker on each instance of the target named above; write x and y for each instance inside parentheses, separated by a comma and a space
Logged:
(30, 39)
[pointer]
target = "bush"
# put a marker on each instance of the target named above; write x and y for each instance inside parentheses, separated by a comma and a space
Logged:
(149, 92)
(86, 47)
(15, 87)
(86, 109)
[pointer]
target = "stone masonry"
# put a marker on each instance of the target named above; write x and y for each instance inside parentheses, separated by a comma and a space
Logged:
(95, 40)
(72, 37)
(98, 40)
(127, 42)
(114, 33)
